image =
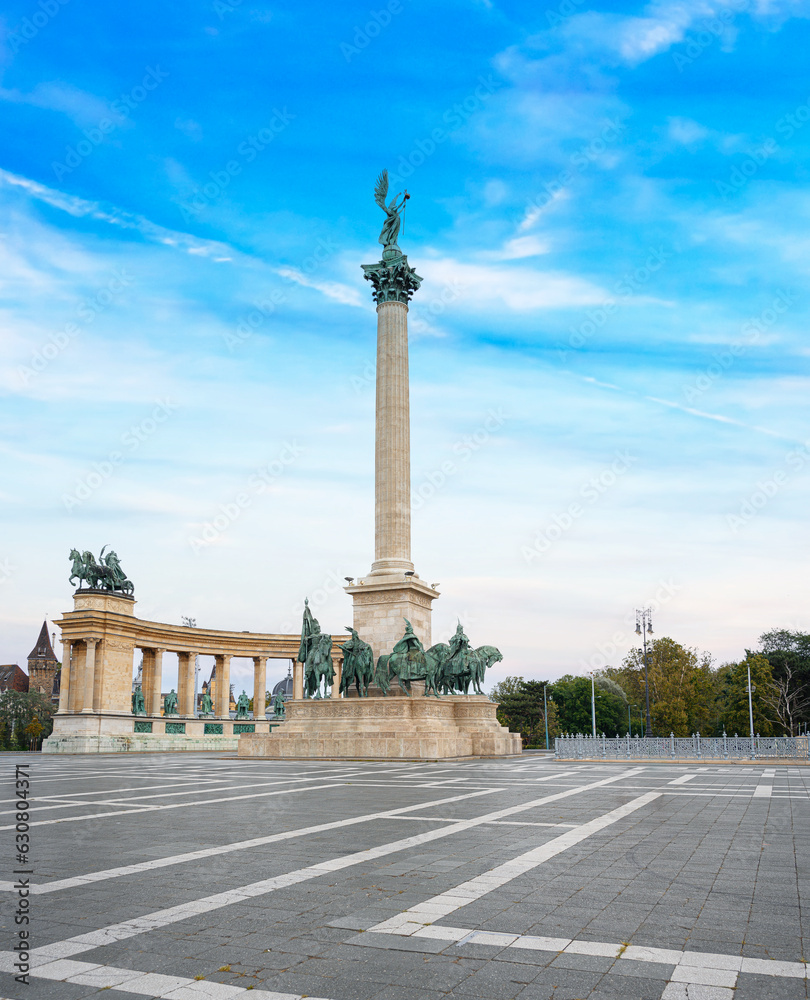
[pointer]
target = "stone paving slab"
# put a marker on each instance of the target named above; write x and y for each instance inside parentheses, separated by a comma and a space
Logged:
(699, 892)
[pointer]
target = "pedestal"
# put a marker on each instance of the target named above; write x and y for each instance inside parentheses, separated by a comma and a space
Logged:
(418, 728)
(381, 605)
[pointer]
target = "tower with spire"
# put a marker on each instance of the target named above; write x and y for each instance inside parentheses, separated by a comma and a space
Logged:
(43, 666)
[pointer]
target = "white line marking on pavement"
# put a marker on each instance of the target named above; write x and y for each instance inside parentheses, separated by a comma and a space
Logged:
(162, 918)
(682, 780)
(210, 852)
(416, 919)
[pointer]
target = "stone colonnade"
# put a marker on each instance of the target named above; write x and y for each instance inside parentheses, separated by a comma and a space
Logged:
(101, 635)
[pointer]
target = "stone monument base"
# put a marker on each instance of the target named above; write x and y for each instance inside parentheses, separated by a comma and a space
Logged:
(416, 728)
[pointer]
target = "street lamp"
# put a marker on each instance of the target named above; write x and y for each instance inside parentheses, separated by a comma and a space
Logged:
(751, 689)
(593, 704)
(644, 628)
(545, 712)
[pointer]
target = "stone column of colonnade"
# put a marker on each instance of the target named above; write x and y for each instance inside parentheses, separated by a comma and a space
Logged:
(153, 705)
(65, 676)
(392, 458)
(259, 686)
(223, 686)
(298, 679)
(76, 692)
(185, 683)
(89, 678)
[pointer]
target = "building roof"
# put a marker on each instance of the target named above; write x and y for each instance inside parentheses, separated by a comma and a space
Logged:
(285, 687)
(43, 649)
(12, 678)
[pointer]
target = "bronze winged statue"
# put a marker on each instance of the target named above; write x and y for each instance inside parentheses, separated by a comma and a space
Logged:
(390, 229)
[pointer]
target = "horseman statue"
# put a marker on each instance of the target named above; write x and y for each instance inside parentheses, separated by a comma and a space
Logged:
(358, 665)
(106, 574)
(315, 652)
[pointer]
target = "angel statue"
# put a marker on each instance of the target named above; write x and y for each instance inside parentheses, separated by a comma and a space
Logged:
(390, 229)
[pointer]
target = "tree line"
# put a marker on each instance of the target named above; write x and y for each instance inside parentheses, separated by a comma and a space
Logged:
(25, 720)
(688, 694)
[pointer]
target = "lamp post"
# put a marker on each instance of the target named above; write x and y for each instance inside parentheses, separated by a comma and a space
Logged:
(593, 704)
(644, 628)
(545, 712)
(751, 689)
(629, 719)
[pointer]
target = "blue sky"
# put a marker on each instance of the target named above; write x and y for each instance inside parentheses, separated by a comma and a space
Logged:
(610, 211)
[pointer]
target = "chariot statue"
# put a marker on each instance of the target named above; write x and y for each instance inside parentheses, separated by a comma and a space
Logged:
(106, 574)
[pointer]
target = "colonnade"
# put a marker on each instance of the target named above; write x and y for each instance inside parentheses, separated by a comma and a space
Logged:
(82, 680)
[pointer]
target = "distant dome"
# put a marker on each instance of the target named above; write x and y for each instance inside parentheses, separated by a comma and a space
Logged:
(284, 688)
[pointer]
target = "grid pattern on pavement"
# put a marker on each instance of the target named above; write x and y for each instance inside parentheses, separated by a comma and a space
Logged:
(191, 876)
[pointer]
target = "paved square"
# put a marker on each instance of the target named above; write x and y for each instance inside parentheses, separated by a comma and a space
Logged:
(192, 876)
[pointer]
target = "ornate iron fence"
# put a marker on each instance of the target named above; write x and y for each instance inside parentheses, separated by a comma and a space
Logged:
(678, 747)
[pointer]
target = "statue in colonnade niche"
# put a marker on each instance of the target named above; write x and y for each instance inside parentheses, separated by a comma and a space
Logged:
(170, 703)
(278, 706)
(242, 706)
(206, 707)
(138, 702)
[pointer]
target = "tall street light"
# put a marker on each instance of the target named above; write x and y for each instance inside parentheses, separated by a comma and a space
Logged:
(644, 628)
(593, 704)
(545, 711)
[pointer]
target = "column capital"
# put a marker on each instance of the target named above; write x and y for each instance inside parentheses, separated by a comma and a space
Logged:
(393, 279)
(92, 641)
(259, 659)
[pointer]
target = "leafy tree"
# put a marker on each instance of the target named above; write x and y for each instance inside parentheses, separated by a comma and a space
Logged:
(736, 718)
(4, 735)
(572, 695)
(510, 685)
(18, 709)
(788, 654)
(521, 710)
(683, 689)
(34, 731)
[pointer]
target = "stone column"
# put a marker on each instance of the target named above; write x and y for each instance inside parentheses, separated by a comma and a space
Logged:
(89, 675)
(259, 686)
(185, 683)
(223, 686)
(64, 677)
(76, 693)
(392, 454)
(153, 706)
(298, 679)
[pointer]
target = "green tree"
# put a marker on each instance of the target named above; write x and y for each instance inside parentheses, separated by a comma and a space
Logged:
(788, 653)
(521, 710)
(4, 735)
(34, 731)
(683, 688)
(509, 685)
(18, 709)
(736, 718)
(572, 695)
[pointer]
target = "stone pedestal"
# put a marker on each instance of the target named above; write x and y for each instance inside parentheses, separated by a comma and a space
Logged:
(381, 605)
(416, 728)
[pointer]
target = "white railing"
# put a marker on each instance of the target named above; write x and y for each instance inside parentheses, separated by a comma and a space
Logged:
(671, 747)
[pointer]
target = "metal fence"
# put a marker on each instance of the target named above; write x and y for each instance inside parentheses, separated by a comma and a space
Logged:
(673, 747)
